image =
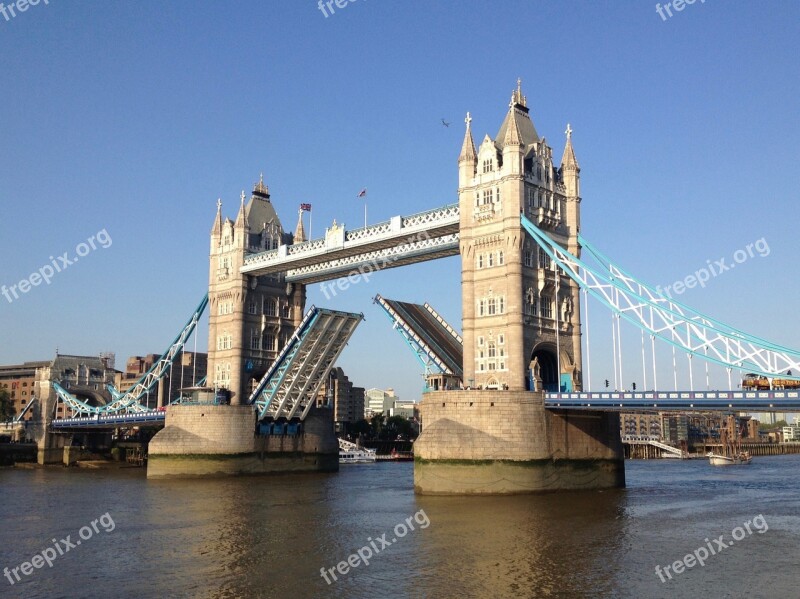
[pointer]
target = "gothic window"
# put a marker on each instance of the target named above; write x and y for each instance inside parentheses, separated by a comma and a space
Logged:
(481, 307)
(538, 171)
(269, 342)
(498, 195)
(501, 339)
(492, 349)
(490, 259)
(251, 306)
(492, 306)
(285, 310)
(255, 340)
(480, 260)
(546, 306)
(500, 258)
(501, 305)
(528, 258)
(544, 259)
(480, 341)
(269, 307)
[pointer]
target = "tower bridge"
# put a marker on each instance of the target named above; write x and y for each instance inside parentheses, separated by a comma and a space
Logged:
(511, 409)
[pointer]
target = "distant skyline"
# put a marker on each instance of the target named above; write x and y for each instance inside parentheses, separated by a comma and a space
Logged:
(133, 119)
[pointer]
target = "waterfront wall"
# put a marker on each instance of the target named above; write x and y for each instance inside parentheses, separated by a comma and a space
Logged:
(205, 440)
(503, 442)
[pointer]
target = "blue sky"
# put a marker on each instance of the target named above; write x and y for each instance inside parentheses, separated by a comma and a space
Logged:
(134, 118)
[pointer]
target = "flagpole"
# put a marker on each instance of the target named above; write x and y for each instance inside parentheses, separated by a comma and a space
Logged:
(365, 212)
(309, 224)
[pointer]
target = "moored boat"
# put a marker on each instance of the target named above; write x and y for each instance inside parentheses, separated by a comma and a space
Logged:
(350, 453)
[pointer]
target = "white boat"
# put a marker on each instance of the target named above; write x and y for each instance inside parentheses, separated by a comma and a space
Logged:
(350, 453)
(732, 454)
(741, 459)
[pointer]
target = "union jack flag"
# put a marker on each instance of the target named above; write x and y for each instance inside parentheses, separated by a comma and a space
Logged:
(306, 207)
(362, 193)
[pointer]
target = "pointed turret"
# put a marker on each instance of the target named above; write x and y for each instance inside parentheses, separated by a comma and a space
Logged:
(216, 230)
(299, 232)
(568, 160)
(468, 159)
(513, 135)
(241, 218)
(468, 147)
(570, 170)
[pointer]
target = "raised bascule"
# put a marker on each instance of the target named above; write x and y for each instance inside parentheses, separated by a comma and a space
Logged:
(506, 409)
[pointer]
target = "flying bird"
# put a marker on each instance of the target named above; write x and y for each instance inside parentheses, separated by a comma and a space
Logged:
(445, 123)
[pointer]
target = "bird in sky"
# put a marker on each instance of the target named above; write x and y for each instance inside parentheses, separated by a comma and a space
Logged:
(445, 123)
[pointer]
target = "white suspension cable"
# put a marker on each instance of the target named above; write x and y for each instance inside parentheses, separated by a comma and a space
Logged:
(614, 349)
(588, 346)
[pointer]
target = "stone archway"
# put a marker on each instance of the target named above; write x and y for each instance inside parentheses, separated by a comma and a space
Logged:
(548, 368)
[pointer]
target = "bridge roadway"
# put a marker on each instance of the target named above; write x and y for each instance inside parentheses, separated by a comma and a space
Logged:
(619, 401)
(662, 401)
(399, 241)
(154, 418)
(427, 330)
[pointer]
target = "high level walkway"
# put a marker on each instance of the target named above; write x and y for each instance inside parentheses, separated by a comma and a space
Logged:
(399, 241)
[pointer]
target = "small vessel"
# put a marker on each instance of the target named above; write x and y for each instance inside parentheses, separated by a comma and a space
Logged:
(731, 453)
(350, 453)
(741, 459)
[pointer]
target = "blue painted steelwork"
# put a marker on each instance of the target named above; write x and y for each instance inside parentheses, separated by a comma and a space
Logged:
(289, 387)
(18, 417)
(749, 401)
(265, 391)
(131, 400)
(661, 317)
(428, 353)
(616, 271)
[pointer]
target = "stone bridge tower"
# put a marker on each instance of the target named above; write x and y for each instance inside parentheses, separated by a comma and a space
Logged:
(519, 316)
(521, 329)
(250, 317)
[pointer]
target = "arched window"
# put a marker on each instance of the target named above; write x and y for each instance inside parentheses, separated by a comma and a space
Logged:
(500, 258)
(480, 260)
(491, 259)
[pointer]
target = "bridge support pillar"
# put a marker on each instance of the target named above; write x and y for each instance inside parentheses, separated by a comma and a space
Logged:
(490, 442)
(205, 440)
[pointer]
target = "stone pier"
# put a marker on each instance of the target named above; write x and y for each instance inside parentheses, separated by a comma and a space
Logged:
(504, 442)
(206, 440)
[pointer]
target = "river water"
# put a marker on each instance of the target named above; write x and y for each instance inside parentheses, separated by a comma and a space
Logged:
(270, 536)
